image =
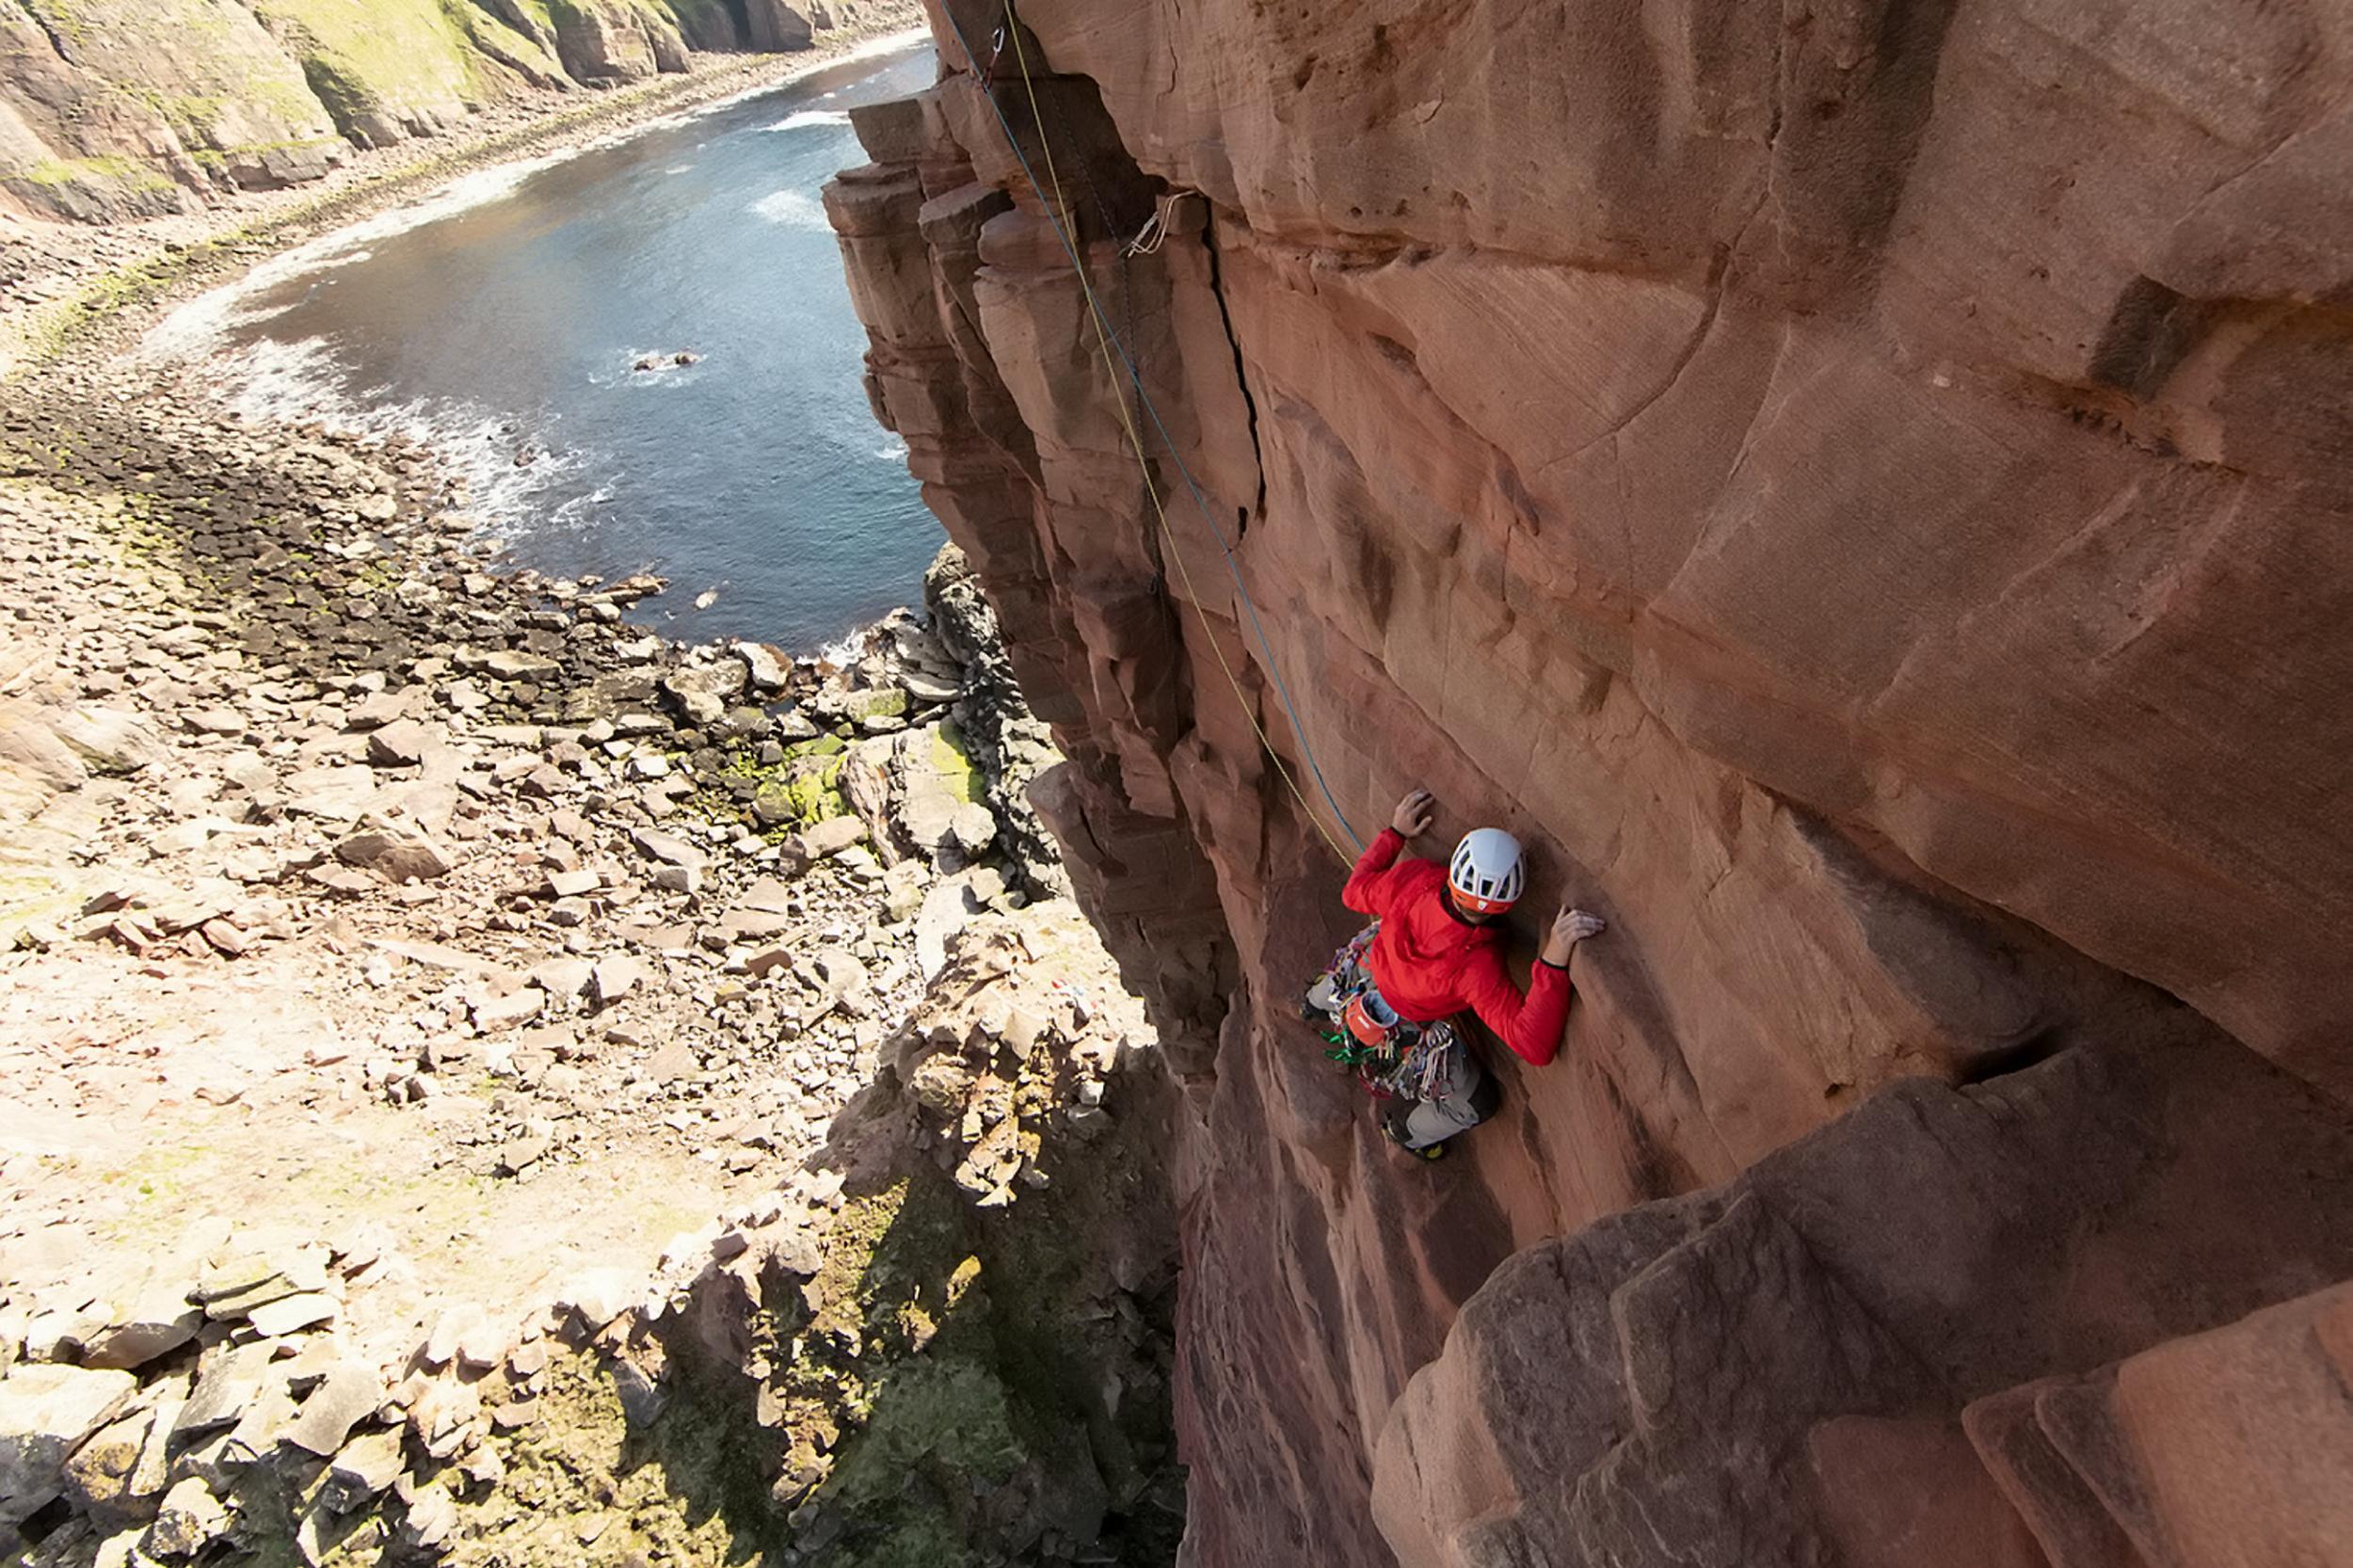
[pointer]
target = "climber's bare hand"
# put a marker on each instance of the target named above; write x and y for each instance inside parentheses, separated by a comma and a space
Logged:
(1414, 812)
(1570, 927)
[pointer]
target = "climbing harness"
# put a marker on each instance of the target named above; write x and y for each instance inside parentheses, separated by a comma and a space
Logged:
(1057, 212)
(1392, 1056)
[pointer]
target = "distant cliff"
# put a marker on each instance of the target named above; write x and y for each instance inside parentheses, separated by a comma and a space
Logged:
(1861, 490)
(126, 109)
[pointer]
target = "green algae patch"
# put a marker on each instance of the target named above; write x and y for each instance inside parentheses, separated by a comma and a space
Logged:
(928, 1416)
(882, 702)
(955, 765)
(815, 794)
(798, 790)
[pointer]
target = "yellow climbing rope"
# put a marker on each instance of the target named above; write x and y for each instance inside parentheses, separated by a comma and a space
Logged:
(1059, 217)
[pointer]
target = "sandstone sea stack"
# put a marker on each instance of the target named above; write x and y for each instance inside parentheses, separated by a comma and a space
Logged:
(1861, 490)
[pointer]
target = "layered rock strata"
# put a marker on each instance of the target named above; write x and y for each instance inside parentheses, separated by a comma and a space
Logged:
(1855, 491)
(126, 109)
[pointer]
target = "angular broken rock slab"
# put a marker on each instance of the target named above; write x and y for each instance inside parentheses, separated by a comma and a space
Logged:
(101, 1477)
(349, 1394)
(432, 1516)
(382, 709)
(667, 849)
(108, 740)
(365, 1467)
(190, 1520)
(495, 1014)
(45, 1412)
(597, 1296)
(293, 1313)
(336, 793)
(562, 978)
(615, 977)
(395, 853)
(157, 1321)
(449, 1332)
(401, 743)
(766, 668)
(573, 883)
(814, 843)
(224, 1391)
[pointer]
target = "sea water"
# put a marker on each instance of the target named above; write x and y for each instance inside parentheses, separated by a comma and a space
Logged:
(505, 319)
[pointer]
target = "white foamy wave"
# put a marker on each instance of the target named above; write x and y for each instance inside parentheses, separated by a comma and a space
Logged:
(304, 382)
(801, 119)
(793, 209)
(845, 650)
(297, 382)
(679, 168)
(483, 447)
(892, 453)
(578, 515)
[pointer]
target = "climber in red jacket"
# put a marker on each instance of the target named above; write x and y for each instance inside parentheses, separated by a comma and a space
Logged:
(1435, 951)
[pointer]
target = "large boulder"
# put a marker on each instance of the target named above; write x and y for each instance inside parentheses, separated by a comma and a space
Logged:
(108, 740)
(779, 24)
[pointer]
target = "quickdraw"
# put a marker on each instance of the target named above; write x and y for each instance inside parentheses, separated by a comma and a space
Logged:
(1410, 1061)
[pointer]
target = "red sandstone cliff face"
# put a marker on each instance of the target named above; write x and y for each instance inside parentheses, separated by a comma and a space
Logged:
(1861, 489)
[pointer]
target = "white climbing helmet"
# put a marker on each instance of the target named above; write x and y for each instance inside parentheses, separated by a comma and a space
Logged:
(1485, 876)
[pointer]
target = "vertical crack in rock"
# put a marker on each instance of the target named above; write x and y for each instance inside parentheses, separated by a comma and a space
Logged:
(56, 37)
(1242, 374)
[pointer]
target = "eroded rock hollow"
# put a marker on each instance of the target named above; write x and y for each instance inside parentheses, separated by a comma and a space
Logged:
(1860, 489)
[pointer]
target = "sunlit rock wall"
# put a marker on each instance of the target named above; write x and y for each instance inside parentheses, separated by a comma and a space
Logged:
(1860, 491)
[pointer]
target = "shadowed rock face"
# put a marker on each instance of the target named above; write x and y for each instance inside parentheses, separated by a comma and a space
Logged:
(1858, 492)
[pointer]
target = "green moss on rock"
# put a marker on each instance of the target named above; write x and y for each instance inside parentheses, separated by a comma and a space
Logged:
(381, 67)
(66, 171)
(955, 765)
(881, 702)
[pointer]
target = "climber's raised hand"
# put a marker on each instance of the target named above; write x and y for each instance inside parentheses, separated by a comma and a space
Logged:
(1414, 812)
(1570, 927)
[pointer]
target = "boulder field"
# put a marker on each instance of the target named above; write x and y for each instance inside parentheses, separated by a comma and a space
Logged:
(1860, 492)
(397, 946)
(113, 109)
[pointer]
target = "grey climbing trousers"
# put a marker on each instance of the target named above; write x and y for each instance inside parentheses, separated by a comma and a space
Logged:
(1460, 1103)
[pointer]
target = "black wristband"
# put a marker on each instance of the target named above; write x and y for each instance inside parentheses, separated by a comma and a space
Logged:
(1550, 964)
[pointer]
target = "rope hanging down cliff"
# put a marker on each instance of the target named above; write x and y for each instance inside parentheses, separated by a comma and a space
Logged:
(1108, 342)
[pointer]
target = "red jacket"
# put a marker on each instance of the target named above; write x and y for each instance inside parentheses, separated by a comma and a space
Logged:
(1431, 963)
